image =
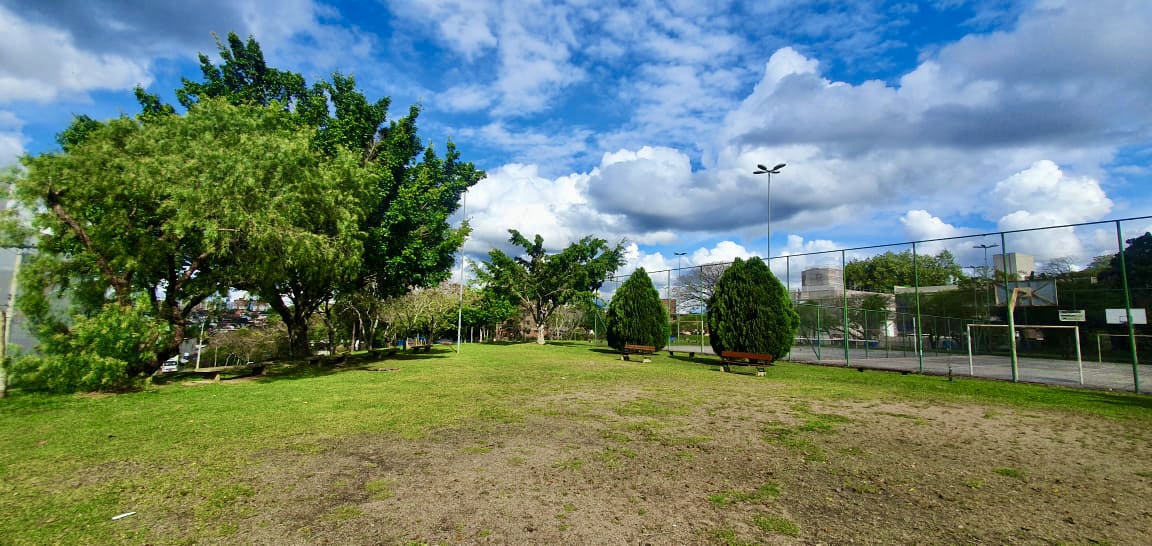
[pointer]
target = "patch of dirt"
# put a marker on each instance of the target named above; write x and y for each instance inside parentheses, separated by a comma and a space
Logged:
(632, 468)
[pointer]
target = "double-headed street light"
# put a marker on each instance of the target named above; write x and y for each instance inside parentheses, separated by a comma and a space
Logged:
(985, 247)
(761, 169)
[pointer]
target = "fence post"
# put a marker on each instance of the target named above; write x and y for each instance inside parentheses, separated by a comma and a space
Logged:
(844, 301)
(1128, 309)
(918, 345)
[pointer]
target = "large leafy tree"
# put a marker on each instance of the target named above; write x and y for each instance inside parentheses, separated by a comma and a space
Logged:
(541, 282)
(750, 311)
(406, 241)
(636, 314)
(883, 272)
(178, 208)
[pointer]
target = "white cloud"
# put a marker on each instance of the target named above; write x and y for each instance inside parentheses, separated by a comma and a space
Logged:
(1043, 195)
(516, 197)
(11, 138)
(466, 26)
(722, 252)
(39, 62)
(465, 98)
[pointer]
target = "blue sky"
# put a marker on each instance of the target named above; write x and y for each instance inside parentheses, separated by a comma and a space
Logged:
(644, 120)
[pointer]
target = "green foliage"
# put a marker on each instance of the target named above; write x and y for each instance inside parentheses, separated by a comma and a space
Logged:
(291, 192)
(543, 282)
(404, 239)
(1137, 263)
(111, 350)
(183, 207)
(636, 314)
(750, 311)
(883, 272)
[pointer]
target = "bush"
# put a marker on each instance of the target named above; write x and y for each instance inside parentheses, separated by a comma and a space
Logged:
(71, 373)
(750, 311)
(112, 350)
(635, 315)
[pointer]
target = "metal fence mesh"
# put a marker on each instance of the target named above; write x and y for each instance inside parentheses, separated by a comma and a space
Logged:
(1068, 326)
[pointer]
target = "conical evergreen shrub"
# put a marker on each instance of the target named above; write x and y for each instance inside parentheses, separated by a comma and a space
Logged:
(749, 311)
(636, 315)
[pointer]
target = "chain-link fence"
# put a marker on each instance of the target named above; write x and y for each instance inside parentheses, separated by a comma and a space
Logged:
(1078, 296)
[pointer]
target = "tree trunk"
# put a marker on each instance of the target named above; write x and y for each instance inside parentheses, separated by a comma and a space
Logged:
(540, 335)
(297, 327)
(298, 336)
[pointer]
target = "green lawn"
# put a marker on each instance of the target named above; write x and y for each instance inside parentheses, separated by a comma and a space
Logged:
(70, 463)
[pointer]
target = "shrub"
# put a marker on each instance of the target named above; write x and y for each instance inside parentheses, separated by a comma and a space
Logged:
(750, 311)
(635, 315)
(109, 351)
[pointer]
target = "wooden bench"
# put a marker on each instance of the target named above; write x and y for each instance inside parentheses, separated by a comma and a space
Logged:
(760, 361)
(672, 352)
(639, 349)
(417, 345)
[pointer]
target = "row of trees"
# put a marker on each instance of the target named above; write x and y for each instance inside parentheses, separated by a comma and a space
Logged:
(300, 194)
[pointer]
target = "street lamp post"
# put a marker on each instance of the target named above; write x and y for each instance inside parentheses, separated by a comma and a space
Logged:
(460, 310)
(761, 169)
(986, 247)
(678, 256)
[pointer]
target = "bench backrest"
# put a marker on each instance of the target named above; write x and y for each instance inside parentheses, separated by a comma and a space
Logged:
(761, 357)
(639, 347)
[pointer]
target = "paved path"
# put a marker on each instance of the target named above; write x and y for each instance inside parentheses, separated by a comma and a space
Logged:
(1107, 375)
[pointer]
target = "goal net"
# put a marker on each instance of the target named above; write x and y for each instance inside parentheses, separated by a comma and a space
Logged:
(1034, 340)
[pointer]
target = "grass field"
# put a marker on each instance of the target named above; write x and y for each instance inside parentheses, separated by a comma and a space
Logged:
(566, 443)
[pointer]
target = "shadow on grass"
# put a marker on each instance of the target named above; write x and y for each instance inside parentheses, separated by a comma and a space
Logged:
(319, 367)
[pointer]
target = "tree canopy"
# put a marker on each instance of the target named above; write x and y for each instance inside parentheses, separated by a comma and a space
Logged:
(180, 208)
(541, 282)
(750, 311)
(294, 193)
(636, 314)
(883, 272)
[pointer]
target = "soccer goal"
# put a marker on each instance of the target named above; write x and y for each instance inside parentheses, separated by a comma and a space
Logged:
(1003, 330)
(1099, 347)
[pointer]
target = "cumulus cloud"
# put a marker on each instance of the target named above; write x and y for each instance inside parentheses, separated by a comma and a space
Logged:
(1044, 195)
(11, 138)
(722, 252)
(39, 62)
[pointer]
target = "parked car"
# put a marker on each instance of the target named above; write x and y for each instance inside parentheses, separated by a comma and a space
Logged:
(170, 365)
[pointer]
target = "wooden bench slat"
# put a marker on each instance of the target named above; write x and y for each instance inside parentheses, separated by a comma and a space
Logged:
(752, 360)
(631, 347)
(763, 357)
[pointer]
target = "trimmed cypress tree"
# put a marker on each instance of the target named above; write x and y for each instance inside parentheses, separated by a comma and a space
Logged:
(750, 311)
(636, 315)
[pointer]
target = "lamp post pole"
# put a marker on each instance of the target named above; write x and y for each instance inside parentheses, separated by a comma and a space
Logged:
(678, 256)
(761, 169)
(986, 247)
(460, 311)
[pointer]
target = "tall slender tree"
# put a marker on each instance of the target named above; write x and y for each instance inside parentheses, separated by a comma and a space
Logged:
(636, 314)
(750, 311)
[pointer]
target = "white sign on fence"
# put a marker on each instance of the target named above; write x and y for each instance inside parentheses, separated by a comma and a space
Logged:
(1120, 316)
(1072, 316)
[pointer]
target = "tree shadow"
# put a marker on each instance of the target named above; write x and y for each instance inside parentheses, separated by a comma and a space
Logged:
(324, 366)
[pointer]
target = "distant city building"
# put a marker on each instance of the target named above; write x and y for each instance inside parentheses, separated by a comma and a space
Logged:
(1014, 265)
(822, 278)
